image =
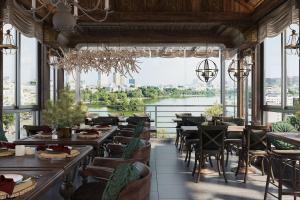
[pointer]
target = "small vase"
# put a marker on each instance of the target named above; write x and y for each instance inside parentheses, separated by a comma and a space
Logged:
(64, 132)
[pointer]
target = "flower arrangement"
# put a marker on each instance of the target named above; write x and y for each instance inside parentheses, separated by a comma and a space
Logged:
(214, 111)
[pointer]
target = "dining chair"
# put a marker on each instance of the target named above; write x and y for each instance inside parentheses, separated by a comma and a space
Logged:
(136, 189)
(179, 124)
(211, 143)
(189, 139)
(33, 130)
(114, 121)
(255, 146)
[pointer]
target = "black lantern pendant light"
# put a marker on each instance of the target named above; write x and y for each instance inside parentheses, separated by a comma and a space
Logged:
(207, 70)
(8, 45)
(292, 46)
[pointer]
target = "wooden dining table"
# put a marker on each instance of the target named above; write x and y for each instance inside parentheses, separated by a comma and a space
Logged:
(48, 171)
(290, 137)
(235, 129)
(74, 140)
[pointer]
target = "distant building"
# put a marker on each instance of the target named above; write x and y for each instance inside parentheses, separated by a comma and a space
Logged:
(131, 82)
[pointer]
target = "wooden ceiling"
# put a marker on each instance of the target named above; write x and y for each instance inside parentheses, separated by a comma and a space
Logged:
(168, 21)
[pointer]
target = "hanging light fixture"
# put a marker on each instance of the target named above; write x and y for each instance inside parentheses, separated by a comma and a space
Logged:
(292, 46)
(207, 70)
(8, 45)
(63, 19)
(237, 73)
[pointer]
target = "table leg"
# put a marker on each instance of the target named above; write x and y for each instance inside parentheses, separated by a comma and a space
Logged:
(67, 188)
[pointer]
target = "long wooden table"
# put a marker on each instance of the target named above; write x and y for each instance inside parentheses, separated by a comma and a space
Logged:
(49, 170)
(74, 140)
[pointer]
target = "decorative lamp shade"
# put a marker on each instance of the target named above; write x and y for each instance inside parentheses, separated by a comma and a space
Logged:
(207, 70)
(8, 44)
(236, 73)
(63, 20)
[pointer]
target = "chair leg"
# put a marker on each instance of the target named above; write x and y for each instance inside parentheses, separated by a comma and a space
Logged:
(218, 164)
(246, 170)
(262, 167)
(199, 167)
(280, 181)
(186, 155)
(223, 166)
(239, 164)
(268, 179)
(210, 161)
(195, 165)
(227, 155)
(189, 158)
(177, 138)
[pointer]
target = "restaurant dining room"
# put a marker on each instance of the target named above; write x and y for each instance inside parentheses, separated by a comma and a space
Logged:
(149, 99)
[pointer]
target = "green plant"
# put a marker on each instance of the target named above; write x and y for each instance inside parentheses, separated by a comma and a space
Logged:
(214, 111)
(293, 121)
(282, 127)
(8, 119)
(65, 112)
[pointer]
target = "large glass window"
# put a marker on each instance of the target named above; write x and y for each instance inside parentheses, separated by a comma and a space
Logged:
(20, 85)
(272, 71)
(28, 71)
(292, 70)
(9, 74)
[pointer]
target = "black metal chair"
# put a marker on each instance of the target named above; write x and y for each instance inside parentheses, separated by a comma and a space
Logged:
(211, 143)
(178, 125)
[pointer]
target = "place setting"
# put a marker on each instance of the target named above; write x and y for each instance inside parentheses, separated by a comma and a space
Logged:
(56, 152)
(16, 185)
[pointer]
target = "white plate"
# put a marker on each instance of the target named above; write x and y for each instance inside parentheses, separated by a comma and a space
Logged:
(16, 177)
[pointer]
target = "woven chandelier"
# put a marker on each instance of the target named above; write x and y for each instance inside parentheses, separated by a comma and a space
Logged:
(105, 61)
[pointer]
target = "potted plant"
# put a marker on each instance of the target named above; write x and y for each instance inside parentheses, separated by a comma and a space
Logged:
(214, 112)
(64, 113)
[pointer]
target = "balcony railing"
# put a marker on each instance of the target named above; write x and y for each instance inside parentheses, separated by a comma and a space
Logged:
(163, 115)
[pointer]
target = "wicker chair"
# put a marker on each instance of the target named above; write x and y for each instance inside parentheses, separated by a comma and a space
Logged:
(139, 189)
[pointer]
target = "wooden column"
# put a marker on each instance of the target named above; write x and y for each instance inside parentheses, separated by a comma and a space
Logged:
(60, 80)
(257, 85)
(240, 94)
(44, 77)
(1, 66)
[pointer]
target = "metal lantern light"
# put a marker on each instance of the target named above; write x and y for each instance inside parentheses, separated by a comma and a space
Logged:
(8, 45)
(236, 73)
(207, 70)
(292, 45)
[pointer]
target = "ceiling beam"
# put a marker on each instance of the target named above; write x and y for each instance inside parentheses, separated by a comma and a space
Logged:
(266, 7)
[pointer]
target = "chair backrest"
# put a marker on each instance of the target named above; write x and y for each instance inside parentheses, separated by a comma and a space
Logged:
(256, 136)
(114, 121)
(193, 121)
(138, 189)
(180, 115)
(212, 137)
(136, 120)
(143, 154)
(32, 130)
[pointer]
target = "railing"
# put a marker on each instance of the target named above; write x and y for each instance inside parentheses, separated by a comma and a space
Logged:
(163, 115)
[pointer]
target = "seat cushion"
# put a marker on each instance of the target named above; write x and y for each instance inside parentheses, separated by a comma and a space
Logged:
(89, 191)
(134, 145)
(120, 178)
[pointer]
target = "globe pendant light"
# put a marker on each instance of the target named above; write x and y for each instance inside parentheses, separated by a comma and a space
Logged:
(236, 73)
(207, 70)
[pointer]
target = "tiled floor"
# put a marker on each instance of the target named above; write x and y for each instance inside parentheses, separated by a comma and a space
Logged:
(171, 179)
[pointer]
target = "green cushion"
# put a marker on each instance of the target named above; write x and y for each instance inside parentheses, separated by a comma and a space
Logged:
(138, 130)
(2, 135)
(120, 178)
(134, 145)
